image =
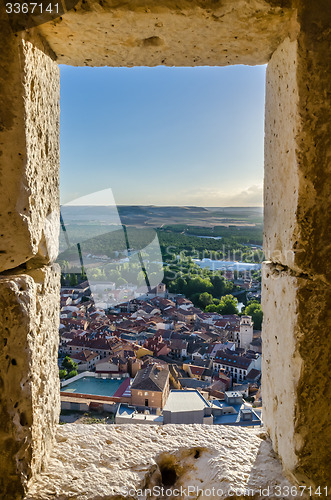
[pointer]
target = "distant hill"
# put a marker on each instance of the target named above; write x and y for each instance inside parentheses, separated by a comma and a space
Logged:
(155, 216)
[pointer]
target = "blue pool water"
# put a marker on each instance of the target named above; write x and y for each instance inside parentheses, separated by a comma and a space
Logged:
(94, 386)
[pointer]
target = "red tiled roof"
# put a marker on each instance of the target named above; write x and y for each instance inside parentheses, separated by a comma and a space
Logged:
(197, 370)
(84, 356)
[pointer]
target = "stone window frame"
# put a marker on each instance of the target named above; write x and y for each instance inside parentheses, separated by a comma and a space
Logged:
(294, 39)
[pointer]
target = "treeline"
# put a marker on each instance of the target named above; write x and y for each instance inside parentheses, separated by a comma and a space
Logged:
(172, 239)
(209, 290)
(118, 273)
(110, 243)
(241, 234)
(202, 286)
(173, 243)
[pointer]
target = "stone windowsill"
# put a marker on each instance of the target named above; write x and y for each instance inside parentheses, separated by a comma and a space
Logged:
(101, 461)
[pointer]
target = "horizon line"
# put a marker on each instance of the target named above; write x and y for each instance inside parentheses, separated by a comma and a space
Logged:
(163, 206)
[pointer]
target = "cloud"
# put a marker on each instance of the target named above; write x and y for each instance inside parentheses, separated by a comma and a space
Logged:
(251, 196)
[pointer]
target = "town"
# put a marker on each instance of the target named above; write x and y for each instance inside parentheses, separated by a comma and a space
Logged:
(157, 359)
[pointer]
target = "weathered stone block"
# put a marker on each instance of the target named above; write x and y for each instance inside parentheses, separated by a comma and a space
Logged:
(114, 461)
(281, 362)
(281, 176)
(181, 33)
(29, 396)
(29, 154)
(295, 371)
(297, 188)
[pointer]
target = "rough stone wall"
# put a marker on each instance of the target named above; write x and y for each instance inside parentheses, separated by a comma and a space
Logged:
(92, 462)
(297, 197)
(29, 153)
(296, 345)
(281, 365)
(280, 162)
(29, 396)
(29, 287)
(169, 32)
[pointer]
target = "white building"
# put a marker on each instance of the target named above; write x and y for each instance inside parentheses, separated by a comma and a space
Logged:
(246, 331)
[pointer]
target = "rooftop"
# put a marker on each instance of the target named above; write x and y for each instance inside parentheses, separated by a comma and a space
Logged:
(185, 400)
(151, 378)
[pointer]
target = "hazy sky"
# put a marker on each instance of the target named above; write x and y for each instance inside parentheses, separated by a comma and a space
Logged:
(163, 136)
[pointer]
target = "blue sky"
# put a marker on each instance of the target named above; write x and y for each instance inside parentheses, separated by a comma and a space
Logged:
(163, 136)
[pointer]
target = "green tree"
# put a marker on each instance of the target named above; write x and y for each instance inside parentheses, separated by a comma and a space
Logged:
(228, 286)
(212, 308)
(254, 309)
(198, 285)
(172, 287)
(218, 285)
(227, 305)
(205, 299)
(73, 279)
(180, 284)
(73, 373)
(62, 373)
(69, 364)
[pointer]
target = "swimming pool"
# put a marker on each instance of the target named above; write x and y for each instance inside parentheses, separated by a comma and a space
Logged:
(94, 386)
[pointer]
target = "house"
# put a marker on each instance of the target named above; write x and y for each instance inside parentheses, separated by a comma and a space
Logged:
(234, 411)
(127, 414)
(198, 372)
(183, 301)
(134, 365)
(200, 353)
(86, 360)
(219, 386)
(235, 364)
(208, 318)
(187, 316)
(112, 364)
(163, 303)
(187, 407)
(193, 383)
(178, 348)
(69, 336)
(66, 313)
(206, 336)
(219, 346)
(150, 387)
(253, 376)
(157, 346)
(99, 345)
(256, 345)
